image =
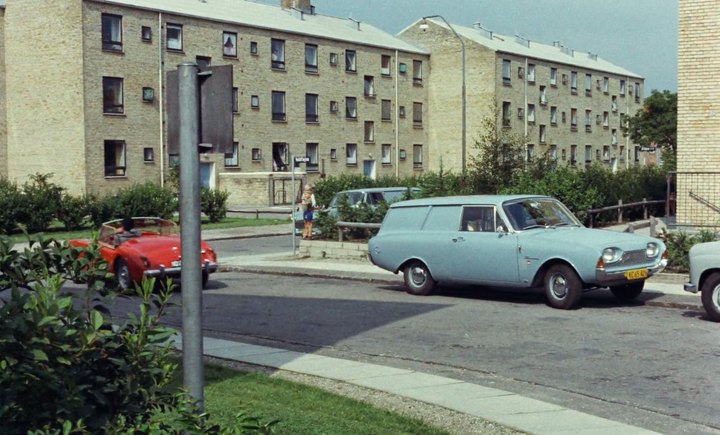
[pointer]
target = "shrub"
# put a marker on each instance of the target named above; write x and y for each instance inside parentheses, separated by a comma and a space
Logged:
(678, 246)
(42, 200)
(213, 203)
(146, 199)
(12, 203)
(101, 209)
(72, 211)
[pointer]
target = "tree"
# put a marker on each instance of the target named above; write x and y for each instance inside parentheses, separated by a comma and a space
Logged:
(655, 124)
(500, 155)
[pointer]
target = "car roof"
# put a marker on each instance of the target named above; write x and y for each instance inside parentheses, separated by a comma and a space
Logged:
(463, 200)
(379, 189)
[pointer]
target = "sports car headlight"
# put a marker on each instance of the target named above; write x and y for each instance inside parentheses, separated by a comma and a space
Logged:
(611, 255)
(652, 249)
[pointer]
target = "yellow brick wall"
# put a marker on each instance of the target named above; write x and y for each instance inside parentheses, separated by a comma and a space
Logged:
(698, 113)
(44, 91)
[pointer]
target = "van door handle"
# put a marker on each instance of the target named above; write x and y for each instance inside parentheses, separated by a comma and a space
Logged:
(458, 239)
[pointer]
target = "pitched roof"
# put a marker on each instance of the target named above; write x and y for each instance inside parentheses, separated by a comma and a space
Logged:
(275, 18)
(535, 50)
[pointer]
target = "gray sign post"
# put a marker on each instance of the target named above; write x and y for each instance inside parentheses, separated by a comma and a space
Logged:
(191, 278)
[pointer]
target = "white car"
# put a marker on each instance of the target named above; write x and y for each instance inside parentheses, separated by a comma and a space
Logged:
(705, 276)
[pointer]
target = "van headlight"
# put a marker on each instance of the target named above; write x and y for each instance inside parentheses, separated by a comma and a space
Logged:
(611, 255)
(652, 249)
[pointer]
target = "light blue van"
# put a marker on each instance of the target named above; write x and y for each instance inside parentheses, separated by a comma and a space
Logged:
(511, 241)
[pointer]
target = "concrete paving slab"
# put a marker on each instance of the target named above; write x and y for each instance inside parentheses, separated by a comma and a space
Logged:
(412, 380)
(318, 365)
(355, 374)
(447, 395)
(498, 406)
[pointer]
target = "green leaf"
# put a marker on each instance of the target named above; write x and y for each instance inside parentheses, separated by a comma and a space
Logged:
(39, 355)
(97, 320)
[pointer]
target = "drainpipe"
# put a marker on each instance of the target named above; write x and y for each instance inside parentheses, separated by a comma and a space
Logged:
(627, 113)
(525, 108)
(160, 101)
(397, 121)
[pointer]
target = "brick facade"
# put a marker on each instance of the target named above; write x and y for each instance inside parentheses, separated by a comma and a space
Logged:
(698, 179)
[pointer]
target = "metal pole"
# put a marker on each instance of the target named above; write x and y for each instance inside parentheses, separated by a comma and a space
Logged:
(191, 279)
(292, 177)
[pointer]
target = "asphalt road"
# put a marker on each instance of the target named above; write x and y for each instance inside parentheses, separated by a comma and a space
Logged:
(646, 366)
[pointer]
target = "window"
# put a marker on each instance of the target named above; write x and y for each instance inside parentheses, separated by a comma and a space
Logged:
(553, 76)
(622, 88)
(385, 159)
(333, 107)
(553, 115)
(613, 137)
(563, 154)
(542, 133)
(311, 151)
(280, 156)
(531, 73)
(278, 106)
(350, 108)
(417, 114)
(606, 120)
(588, 85)
(235, 100)
(256, 154)
(521, 72)
(637, 92)
(277, 54)
(573, 119)
(351, 154)
(113, 95)
(588, 154)
(203, 62)
(606, 152)
(506, 72)
(174, 37)
(333, 59)
(543, 96)
(148, 94)
(369, 86)
(588, 121)
(254, 102)
(350, 61)
(148, 155)
(229, 44)
(111, 32)
(521, 113)
(606, 85)
(402, 68)
(311, 58)
(563, 117)
(369, 131)
(333, 154)
(506, 114)
(614, 104)
(114, 158)
(311, 108)
(573, 155)
(530, 152)
(146, 33)
(417, 72)
(622, 153)
(531, 114)
(386, 110)
(385, 65)
(597, 155)
(253, 48)
(231, 159)
(417, 156)
(401, 111)
(553, 152)
(573, 82)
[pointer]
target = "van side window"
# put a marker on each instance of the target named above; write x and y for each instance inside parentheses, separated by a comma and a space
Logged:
(480, 218)
(443, 218)
(374, 198)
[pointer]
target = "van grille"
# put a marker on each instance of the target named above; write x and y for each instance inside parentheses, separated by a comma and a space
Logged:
(631, 258)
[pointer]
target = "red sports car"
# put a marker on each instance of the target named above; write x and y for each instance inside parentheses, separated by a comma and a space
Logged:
(145, 246)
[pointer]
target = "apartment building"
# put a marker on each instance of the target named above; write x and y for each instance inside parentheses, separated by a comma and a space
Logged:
(564, 102)
(698, 154)
(88, 104)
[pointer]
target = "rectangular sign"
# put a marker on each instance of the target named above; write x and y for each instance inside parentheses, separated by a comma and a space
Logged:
(302, 159)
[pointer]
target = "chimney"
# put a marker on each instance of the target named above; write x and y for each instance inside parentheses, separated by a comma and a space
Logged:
(304, 6)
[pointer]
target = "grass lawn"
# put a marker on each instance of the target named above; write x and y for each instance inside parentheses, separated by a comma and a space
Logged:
(301, 409)
(57, 231)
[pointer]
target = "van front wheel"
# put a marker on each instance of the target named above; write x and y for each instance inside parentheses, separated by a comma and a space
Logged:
(418, 280)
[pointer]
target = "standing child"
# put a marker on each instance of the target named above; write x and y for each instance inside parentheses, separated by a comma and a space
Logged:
(308, 205)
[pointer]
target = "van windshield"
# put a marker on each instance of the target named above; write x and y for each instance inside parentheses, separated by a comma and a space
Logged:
(538, 213)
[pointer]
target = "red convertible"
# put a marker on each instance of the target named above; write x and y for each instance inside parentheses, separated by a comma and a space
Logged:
(145, 246)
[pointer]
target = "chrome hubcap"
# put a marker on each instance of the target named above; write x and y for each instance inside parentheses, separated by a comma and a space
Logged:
(418, 276)
(558, 285)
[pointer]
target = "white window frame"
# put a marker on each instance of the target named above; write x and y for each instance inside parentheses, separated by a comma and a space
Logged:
(351, 154)
(229, 44)
(385, 66)
(174, 42)
(350, 61)
(350, 109)
(531, 113)
(231, 159)
(531, 73)
(553, 76)
(369, 132)
(277, 53)
(311, 58)
(386, 158)
(369, 86)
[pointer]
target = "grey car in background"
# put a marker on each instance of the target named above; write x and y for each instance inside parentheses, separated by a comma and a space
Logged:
(705, 276)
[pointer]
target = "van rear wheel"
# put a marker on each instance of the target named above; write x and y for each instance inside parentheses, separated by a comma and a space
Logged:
(710, 295)
(418, 280)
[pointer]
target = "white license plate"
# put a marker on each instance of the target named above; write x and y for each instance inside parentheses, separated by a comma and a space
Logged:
(176, 263)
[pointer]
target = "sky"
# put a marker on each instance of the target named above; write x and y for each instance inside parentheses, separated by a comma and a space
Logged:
(638, 35)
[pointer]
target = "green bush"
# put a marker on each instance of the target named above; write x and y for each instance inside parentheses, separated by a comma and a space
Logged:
(12, 203)
(72, 211)
(678, 246)
(102, 209)
(146, 199)
(41, 200)
(213, 203)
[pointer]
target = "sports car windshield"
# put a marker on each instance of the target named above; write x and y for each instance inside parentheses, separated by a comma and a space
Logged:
(531, 213)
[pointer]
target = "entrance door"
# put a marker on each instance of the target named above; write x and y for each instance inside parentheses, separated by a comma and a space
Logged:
(369, 168)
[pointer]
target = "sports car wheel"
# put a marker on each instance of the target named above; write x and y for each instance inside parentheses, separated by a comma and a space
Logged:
(628, 292)
(122, 272)
(418, 280)
(710, 295)
(563, 287)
